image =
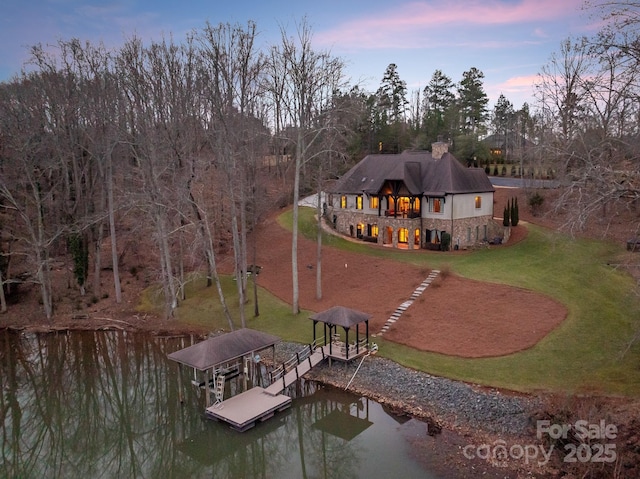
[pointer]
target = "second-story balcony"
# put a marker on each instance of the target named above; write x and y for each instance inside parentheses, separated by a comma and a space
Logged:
(402, 214)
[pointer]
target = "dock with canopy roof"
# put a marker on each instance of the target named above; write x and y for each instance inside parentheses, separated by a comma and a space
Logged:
(236, 354)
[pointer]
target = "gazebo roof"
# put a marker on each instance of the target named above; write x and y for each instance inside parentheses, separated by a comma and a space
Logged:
(224, 348)
(341, 316)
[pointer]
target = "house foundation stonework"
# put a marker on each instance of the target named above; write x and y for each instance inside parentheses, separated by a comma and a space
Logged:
(414, 200)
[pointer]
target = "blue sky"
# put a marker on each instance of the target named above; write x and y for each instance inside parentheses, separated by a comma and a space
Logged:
(508, 40)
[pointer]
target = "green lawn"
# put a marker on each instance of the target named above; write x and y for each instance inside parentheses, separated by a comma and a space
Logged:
(584, 354)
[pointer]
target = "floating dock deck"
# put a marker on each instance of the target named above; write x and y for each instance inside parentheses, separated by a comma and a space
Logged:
(243, 411)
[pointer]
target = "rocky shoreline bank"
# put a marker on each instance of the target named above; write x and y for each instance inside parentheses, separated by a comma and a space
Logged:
(444, 402)
(502, 422)
(457, 413)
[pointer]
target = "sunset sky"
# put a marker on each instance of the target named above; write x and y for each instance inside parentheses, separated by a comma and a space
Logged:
(508, 40)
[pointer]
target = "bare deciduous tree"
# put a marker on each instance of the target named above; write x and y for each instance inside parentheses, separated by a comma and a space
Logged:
(591, 94)
(310, 80)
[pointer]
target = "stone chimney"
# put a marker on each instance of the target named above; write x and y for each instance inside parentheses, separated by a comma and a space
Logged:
(438, 149)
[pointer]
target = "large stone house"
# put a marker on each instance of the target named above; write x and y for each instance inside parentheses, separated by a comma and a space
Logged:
(409, 200)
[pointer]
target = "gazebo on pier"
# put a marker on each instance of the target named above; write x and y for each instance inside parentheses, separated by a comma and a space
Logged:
(346, 318)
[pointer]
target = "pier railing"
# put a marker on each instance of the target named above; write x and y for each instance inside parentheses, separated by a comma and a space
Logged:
(294, 361)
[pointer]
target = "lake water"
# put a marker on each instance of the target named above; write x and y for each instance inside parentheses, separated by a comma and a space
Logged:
(106, 405)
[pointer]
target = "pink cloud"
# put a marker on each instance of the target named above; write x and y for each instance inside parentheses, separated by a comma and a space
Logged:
(394, 27)
(518, 82)
(517, 89)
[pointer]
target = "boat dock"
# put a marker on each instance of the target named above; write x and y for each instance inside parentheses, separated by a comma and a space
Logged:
(243, 411)
(236, 353)
(258, 404)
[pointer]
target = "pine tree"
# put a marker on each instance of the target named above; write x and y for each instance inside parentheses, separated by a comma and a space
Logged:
(391, 106)
(515, 216)
(473, 101)
(438, 97)
(505, 216)
(80, 253)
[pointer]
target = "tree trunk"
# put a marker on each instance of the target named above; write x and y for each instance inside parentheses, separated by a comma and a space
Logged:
(319, 239)
(256, 309)
(182, 293)
(238, 262)
(45, 283)
(3, 300)
(243, 237)
(97, 259)
(112, 230)
(294, 235)
(211, 257)
(171, 295)
(42, 259)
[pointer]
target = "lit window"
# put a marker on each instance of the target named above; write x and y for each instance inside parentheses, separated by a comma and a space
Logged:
(374, 202)
(478, 202)
(359, 202)
(374, 230)
(343, 202)
(435, 205)
(403, 235)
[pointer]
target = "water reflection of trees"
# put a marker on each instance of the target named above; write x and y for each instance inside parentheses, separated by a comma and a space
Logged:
(100, 404)
(88, 405)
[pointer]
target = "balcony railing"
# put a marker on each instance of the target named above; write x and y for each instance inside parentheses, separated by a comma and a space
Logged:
(403, 214)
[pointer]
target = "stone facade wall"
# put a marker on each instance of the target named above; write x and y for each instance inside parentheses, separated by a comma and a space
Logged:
(347, 221)
(467, 232)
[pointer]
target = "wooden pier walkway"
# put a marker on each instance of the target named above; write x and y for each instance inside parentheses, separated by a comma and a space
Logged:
(294, 374)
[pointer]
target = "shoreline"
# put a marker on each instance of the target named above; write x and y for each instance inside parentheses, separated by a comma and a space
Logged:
(455, 413)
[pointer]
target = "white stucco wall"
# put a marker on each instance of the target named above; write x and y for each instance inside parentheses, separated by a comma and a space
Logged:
(464, 206)
(460, 206)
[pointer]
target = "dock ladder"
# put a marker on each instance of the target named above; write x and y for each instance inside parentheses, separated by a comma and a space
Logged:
(219, 391)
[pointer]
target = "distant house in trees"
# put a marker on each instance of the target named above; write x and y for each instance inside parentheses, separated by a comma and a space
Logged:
(509, 147)
(410, 200)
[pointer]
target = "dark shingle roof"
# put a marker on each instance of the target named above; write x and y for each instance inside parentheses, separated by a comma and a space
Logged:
(420, 172)
(224, 348)
(341, 316)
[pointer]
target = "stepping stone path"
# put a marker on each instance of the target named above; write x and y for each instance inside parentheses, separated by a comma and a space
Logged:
(404, 306)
